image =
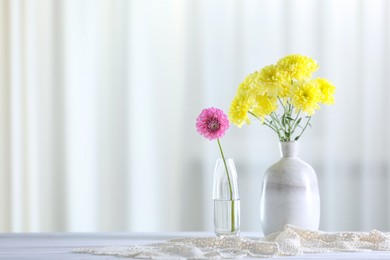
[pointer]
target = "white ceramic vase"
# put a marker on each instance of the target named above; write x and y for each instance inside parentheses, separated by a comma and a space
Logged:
(290, 193)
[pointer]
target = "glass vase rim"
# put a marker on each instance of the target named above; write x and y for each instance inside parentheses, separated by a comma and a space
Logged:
(226, 158)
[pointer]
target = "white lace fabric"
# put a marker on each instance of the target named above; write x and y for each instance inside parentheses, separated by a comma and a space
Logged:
(289, 242)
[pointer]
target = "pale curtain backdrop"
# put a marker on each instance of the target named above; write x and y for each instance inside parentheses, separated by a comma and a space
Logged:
(98, 101)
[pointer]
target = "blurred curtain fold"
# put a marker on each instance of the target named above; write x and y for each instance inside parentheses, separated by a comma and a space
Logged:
(98, 101)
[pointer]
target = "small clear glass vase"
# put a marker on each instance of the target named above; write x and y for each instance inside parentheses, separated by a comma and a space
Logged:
(226, 198)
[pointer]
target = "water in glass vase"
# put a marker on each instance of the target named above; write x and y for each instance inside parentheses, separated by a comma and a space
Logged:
(227, 217)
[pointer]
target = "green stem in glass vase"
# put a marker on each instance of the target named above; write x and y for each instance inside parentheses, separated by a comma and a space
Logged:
(230, 184)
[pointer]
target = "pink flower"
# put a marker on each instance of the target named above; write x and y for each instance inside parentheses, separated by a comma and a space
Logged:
(212, 123)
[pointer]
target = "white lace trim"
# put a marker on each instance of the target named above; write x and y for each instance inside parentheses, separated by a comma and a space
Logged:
(291, 241)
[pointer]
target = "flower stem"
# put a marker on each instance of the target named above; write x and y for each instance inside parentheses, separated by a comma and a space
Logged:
(267, 123)
(303, 130)
(230, 184)
(280, 101)
(274, 117)
(296, 121)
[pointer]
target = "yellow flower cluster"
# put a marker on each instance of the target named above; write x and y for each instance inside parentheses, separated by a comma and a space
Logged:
(289, 81)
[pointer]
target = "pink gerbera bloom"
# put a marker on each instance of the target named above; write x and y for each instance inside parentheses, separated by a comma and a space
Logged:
(212, 123)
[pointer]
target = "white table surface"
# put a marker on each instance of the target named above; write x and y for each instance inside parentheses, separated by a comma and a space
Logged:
(59, 245)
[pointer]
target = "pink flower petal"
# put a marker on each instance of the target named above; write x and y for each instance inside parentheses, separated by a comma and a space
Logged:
(212, 123)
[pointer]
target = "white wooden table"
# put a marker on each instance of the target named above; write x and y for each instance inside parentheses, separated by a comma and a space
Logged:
(59, 245)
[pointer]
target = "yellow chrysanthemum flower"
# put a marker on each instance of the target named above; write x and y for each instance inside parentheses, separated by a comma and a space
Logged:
(238, 112)
(327, 91)
(271, 81)
(249, 85)
(305, 97)
(297, 67)
(288, 82)
(286, 91)
(264, 105)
